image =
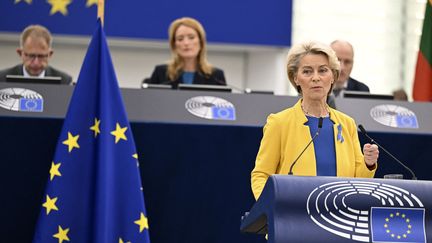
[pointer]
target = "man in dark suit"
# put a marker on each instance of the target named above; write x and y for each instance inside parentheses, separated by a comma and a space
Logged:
(35, 52)
(345, 53)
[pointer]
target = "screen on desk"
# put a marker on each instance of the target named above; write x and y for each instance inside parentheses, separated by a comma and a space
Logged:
(33, 80)
(201, 87)
(366, 95)
(156, 86)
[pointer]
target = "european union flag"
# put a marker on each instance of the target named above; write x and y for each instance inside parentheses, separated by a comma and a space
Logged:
(94, 190)
(406, 121)
(223, 113)
(398, 225)
(33, 105)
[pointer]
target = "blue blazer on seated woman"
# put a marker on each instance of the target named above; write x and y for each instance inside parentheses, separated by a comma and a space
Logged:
(189, 63)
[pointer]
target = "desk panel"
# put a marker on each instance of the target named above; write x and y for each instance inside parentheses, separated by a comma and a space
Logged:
(168, 106)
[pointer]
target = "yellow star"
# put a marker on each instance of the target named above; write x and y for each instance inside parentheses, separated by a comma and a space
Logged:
(59, 6)
(95, 127)
(135, 156)
(71, 142)
(119, 133)
(54, 171)
(62, 234)
(50, 204)
(91, 2)
(27, 1)
(142, 222)
(121, 241)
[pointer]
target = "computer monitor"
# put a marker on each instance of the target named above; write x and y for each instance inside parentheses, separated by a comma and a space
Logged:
(156, 86)
(253, 91)
(204, 87)
(33, 80)
(366, 95)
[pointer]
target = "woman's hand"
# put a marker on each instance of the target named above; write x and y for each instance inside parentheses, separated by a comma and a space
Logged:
(371, 153)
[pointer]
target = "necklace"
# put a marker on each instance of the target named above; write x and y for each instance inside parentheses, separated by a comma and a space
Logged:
(327, 112)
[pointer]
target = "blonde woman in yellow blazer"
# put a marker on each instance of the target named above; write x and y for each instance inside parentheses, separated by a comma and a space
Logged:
(312, 68)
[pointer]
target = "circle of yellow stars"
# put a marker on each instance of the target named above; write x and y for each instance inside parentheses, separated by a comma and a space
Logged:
(72, 143)
(60, 6)
(399, 216)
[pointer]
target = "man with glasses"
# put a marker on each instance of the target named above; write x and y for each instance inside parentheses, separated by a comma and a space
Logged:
(35, 52)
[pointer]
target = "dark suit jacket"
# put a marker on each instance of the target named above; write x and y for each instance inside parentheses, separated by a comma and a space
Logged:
(49, 72)
(160, 76)
(355, 85)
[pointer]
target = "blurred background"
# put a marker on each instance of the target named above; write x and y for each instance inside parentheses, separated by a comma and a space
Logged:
(247, 39)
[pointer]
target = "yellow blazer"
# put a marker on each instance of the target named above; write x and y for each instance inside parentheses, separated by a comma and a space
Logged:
(286, 135)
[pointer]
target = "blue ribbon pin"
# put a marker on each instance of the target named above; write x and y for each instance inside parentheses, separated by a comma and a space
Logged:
(339, 135)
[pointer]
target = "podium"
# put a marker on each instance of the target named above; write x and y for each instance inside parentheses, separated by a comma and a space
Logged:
(335, 209)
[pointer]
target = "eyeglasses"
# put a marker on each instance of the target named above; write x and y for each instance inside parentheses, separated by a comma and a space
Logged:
(31, 56)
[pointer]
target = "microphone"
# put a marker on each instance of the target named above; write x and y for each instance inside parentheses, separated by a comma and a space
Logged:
(387, 152)
(320, 124)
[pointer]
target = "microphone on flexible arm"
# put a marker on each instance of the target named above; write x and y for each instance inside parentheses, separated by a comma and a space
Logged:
(320, 124)
(387, 152)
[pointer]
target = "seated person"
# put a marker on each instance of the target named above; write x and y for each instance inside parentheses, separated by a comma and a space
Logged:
(35, 52)
(189, 63)
(400, 94)
(345, 53)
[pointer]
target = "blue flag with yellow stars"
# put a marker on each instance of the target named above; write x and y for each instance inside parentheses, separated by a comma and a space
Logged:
(398, 225)
(94, 191)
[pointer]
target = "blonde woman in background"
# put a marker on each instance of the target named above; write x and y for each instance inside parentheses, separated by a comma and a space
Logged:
(188, 63)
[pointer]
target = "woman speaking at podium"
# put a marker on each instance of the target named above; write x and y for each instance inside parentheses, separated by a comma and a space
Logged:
(188, 63)
(332, 135)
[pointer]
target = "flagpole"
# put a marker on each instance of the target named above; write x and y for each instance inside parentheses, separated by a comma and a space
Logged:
(101, 10)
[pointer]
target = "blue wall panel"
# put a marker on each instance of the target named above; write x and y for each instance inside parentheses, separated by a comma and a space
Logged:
(226, 21)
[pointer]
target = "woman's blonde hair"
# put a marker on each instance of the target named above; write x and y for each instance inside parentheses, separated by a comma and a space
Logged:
(298, 51)
(176, 63)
